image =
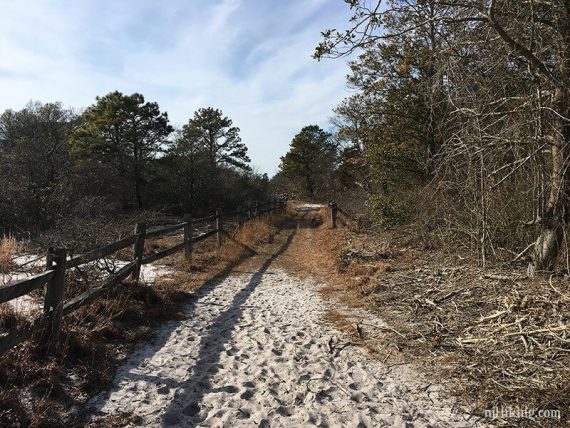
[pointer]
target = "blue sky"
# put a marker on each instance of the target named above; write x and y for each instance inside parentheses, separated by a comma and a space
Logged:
(250, 58)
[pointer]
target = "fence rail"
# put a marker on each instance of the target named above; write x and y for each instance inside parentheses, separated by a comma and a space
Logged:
(55, 306)
(159, 231)
(18, 288)
(101, 252)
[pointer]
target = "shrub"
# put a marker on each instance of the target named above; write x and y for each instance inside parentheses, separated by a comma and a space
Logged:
(389, 211)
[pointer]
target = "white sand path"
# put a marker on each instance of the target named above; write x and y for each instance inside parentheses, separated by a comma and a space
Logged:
(254, 352)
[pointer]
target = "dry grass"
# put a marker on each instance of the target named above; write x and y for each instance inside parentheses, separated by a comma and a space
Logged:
(94, 340)
(240, 241)
(209, 261)
(9, 248)
(10, 319)
(12, 413)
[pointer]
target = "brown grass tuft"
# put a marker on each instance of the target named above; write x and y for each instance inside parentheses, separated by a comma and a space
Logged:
(341, 321)
(240, 242)
(9, 248)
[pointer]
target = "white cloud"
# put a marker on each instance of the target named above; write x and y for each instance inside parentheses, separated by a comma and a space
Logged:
(249, 58)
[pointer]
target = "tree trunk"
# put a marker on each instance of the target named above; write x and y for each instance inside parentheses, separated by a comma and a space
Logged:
(310, 186)
(547, 245)
(138, 187)
(192, 172)
(138, 194)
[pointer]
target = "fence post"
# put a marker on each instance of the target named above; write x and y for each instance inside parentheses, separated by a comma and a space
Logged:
(333, 209)
(249, 211)
(255, 209)
(53, 302)
(138, 251)
(188, 236)
(239, 216)
(218, 225)
(49, 258)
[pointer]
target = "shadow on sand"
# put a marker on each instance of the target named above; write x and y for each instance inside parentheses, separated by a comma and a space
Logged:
(212, 346)
(191, 391)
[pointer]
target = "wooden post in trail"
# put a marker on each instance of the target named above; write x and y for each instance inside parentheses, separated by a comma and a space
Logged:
(53, 302)
(218, 225)
(188, 236)
(138, 251)
(249, 211)
(333, 207)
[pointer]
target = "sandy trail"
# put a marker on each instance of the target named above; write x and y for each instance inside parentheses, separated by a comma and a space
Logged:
(253, 352)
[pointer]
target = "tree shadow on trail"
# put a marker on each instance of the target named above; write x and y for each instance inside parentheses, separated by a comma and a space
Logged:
(212, 344)
(219, 334)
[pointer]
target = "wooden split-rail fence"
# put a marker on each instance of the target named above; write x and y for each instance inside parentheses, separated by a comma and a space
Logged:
(57, 264)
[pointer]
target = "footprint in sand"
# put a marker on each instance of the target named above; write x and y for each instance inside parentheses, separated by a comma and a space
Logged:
(230, 389)
(247, 395)
(285, 411)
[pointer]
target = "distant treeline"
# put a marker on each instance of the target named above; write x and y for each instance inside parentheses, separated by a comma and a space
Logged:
(119, 155)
